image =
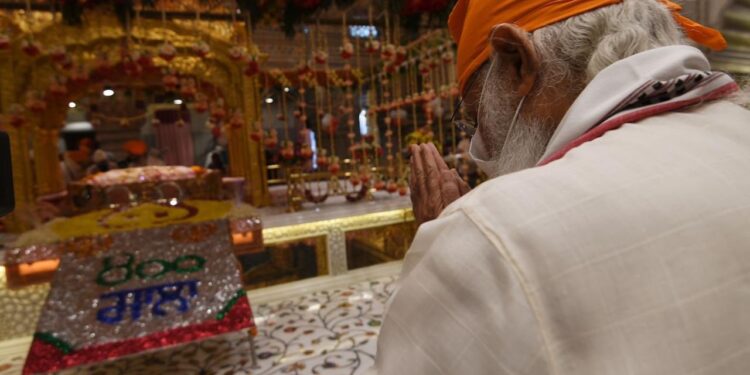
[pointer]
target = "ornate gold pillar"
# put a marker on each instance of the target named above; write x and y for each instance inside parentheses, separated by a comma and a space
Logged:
(246, 157)
(22, 175)
(19, 140)
(49, 177)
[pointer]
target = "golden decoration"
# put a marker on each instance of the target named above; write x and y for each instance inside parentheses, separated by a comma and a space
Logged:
(102, 36)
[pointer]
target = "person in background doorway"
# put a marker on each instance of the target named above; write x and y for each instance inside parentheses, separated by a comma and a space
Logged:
(101, 163)
(216, 163)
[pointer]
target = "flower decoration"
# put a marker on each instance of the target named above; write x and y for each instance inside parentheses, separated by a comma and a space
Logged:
(329, 123)
(4, 41)
(167, 51)
(187, 88)
(201, 49)
(447, 57)
(143, 58)
(31, 48)
(320, 57)
(391, 187)
(372, 46)
(257, 135)
(334, 168)
(237, 53)
(400, 55)
(217, 110)
(130, 66)
(280, 77)
(170, 80)
(236, 122)
(34, 102)
(16, 118)
(58, 54)
(215, 130)
(403, 190)
(380, 185)
(201, 103)
(252, 67)
(322, 158)
(347, 50)
(287, 152)
(388, 52)
(306, 152)
(424, 68)
(272, 140)
(58, 86)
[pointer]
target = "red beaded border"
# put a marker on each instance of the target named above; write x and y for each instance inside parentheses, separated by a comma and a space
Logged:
(45, 357)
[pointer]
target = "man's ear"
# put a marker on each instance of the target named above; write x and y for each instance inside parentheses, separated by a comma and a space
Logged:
(516, 51)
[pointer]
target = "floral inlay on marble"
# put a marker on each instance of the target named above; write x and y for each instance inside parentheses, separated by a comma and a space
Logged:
(326, 332)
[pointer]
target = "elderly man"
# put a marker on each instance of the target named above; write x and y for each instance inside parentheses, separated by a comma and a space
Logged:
(615, 236)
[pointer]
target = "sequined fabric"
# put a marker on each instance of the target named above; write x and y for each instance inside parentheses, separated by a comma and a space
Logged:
(144, 290)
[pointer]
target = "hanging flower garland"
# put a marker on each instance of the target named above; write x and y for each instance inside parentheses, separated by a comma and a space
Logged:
(201, 48)
(237, 121)
(167, 51)
(35, 102)
(320, 57)
(79, 75)
(201, 103)
(347, 50)
(16, 115)
(170, 79)
(4, 41)
(280, 77)
(188, 89)
(143, 58)
(237, 53)
(218, 112)
(31, 48)
(58, 87)
(252, 67)
(58, 54)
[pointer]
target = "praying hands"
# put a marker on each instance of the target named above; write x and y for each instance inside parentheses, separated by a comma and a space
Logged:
(433, 185)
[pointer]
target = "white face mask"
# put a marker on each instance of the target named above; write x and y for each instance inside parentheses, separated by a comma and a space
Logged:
(478, 152)
(478, 149)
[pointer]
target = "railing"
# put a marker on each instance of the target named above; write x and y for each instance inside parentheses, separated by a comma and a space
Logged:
(277, 174)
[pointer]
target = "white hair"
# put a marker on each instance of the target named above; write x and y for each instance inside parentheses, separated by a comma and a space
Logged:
(578, 48)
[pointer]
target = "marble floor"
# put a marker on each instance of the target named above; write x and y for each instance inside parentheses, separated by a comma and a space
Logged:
(324, 326)
(331, 331)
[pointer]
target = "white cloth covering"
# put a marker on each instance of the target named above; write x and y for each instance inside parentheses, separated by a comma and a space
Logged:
(630, 255)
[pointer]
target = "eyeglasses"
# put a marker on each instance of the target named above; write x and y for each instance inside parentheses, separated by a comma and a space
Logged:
(467, 126)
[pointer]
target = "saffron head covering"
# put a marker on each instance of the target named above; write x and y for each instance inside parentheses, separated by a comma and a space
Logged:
(471, 21)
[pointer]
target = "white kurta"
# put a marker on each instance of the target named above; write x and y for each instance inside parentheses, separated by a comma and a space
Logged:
(630, 255)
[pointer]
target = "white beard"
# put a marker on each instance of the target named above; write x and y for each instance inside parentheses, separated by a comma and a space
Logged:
(524, 148)
(507, 150)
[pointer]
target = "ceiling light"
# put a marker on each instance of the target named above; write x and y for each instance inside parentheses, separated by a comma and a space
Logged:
(72, 105)
(269, 100)
(178, 101)
(108, 92)
(286, 89)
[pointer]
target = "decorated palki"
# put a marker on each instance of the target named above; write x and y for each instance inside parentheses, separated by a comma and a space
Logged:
(140, 293)
(143, 174)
